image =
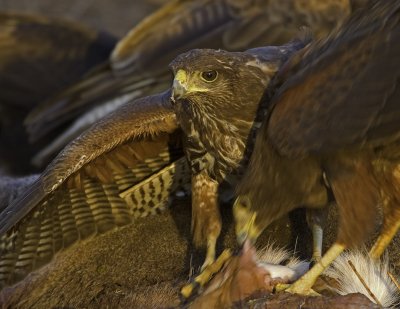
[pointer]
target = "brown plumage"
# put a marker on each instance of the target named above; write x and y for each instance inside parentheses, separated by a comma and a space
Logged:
(126, 166)
(138, 65)
(216, 97)
(39, 57)
(334, 111)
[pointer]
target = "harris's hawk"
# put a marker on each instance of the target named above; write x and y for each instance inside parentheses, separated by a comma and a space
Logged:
(216, 96)
(333, 122)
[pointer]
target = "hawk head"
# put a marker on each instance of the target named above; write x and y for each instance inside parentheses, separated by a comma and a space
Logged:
(219, 84)
(216, 95)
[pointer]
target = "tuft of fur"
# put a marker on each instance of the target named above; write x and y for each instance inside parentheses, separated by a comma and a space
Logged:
(280, 263)
(374, 273)
(272, 254)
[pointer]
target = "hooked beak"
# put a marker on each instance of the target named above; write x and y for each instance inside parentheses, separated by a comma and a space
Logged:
(245, 227)
(179, 86)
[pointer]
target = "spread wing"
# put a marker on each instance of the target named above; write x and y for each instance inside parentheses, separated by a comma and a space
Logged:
(345, 91)
(138, 65)
(124, 167)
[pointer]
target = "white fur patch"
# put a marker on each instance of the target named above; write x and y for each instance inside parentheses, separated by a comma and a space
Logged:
(375, 274)
(271, 257)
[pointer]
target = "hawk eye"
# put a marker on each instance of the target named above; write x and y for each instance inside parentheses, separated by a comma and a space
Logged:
(209, 76)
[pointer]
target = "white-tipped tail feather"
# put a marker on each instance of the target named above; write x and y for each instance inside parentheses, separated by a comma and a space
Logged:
(271, 258)
(375, 275)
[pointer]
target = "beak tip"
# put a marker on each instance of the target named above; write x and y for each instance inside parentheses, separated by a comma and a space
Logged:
(178, 89)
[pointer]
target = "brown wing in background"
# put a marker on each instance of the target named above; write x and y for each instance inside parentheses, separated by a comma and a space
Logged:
(330, 101)
(39, 57)
(94, 185)
(81, 102)
(138, 67)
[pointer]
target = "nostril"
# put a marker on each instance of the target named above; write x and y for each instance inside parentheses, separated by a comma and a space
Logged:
(244, 202)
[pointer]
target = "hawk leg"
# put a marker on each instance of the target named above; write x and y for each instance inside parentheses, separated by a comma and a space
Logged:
(317, 233)
(391, 224)
(316, 219)
(304, 285)
(206, 218)
(206, 274)
(390, 177)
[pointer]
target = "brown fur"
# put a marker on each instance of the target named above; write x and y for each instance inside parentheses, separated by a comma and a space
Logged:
(126, 264)
(131, 268)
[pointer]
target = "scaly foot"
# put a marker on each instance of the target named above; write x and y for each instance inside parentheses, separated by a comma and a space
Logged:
(206, 274)
(296, 289)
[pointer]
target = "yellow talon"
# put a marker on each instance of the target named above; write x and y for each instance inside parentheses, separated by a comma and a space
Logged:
(294, 289)
(281, 287)
(207, 274)
(187, 290)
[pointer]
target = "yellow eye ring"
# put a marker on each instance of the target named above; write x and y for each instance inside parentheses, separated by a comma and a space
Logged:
(209, 76)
